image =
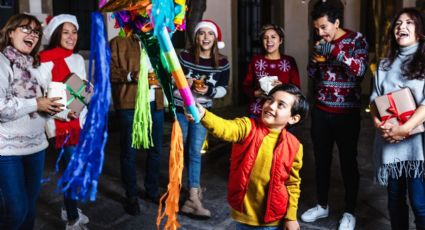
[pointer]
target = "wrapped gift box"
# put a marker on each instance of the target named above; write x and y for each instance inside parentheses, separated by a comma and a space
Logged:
(78, 93)
(397, 107)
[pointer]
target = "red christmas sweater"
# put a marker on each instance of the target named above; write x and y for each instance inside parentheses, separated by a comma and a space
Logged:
(284, 68)
(337, 80)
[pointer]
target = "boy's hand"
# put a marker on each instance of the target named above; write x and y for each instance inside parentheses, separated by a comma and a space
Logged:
(201, 110)
(291, 225)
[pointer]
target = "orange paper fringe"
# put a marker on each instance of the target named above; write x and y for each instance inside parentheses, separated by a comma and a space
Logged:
(174, 185)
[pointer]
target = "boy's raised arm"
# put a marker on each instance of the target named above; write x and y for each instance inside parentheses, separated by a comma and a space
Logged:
(228, 130)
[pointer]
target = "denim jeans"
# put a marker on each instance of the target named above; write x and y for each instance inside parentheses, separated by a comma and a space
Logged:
(397, 202)
(240, 226)
(342, 129)
(70, 204)
(128, 154)
(193, 138)
(20, 178)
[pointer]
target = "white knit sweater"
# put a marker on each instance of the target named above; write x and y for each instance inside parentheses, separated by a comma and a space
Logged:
(76, 65)
(20, 133)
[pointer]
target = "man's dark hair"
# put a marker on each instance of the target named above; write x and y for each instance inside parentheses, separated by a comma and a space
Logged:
(300, 105)
(322, 9)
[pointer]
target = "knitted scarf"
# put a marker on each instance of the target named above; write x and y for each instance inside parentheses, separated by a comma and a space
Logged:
(59, 73)
(23, 85)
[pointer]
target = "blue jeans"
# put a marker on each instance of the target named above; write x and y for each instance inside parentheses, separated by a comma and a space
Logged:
(128, 154)
(397, 205)
(240, 226)
(193, 138)
(20, 178)
(70, 204)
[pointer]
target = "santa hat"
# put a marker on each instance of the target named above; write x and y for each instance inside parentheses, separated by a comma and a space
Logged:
(56, 21)
(212, 26)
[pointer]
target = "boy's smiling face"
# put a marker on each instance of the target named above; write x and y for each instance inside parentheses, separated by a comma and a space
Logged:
(276, 112)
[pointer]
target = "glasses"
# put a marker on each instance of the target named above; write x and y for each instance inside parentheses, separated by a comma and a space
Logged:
(29, 30)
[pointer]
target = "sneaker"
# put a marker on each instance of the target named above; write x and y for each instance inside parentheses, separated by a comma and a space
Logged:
(78, 225)
(315, 213)
(131, 206)
(348, 222)
(84, 219)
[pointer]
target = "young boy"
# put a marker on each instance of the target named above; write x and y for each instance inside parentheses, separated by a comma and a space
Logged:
(264, 181)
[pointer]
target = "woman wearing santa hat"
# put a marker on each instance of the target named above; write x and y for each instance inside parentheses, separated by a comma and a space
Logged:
(58, 60)
(272, 63)
(207, 71)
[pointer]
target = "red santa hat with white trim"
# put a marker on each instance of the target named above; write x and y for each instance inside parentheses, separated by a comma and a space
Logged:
(212, 26)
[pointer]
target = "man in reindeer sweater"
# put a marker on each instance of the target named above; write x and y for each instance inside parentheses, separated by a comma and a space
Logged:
(337, 68)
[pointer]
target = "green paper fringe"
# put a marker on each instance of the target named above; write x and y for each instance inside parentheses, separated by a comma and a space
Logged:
(150, 43)
(142, 123)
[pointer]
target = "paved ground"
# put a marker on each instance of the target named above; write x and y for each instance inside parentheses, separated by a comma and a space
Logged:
(107, 212)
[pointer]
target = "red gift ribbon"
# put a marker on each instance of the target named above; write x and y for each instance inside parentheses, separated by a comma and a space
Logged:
(401, 118)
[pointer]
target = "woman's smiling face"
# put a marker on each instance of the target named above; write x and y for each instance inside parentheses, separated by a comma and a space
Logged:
(271, 41)
(69, 36)
(205, 37)
(25, 37)
(405, 31)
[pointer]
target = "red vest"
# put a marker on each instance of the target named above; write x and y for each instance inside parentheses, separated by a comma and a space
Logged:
(242, 161)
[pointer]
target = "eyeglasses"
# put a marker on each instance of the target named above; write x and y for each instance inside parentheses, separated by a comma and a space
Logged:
(28, 30)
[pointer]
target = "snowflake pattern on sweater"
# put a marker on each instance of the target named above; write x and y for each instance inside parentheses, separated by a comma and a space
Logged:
(284, 68)
(337, 80)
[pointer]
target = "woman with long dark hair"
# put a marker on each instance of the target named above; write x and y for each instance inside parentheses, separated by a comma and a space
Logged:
(23, 112)
(400, 156)
(272, 63)
(58, 60)
(207, 71)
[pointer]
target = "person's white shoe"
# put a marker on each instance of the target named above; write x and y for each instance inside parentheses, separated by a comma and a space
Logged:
(347, 222)
(78, 225)
(315, 213)
(83, 218)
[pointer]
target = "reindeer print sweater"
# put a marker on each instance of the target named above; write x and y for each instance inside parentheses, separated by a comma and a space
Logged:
(217, 79)
(337, 80)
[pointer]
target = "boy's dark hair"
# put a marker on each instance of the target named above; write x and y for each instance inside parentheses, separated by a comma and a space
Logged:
(300, 105)
(322, 9)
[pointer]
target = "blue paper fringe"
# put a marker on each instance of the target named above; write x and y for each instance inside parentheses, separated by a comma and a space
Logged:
(80, 178)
